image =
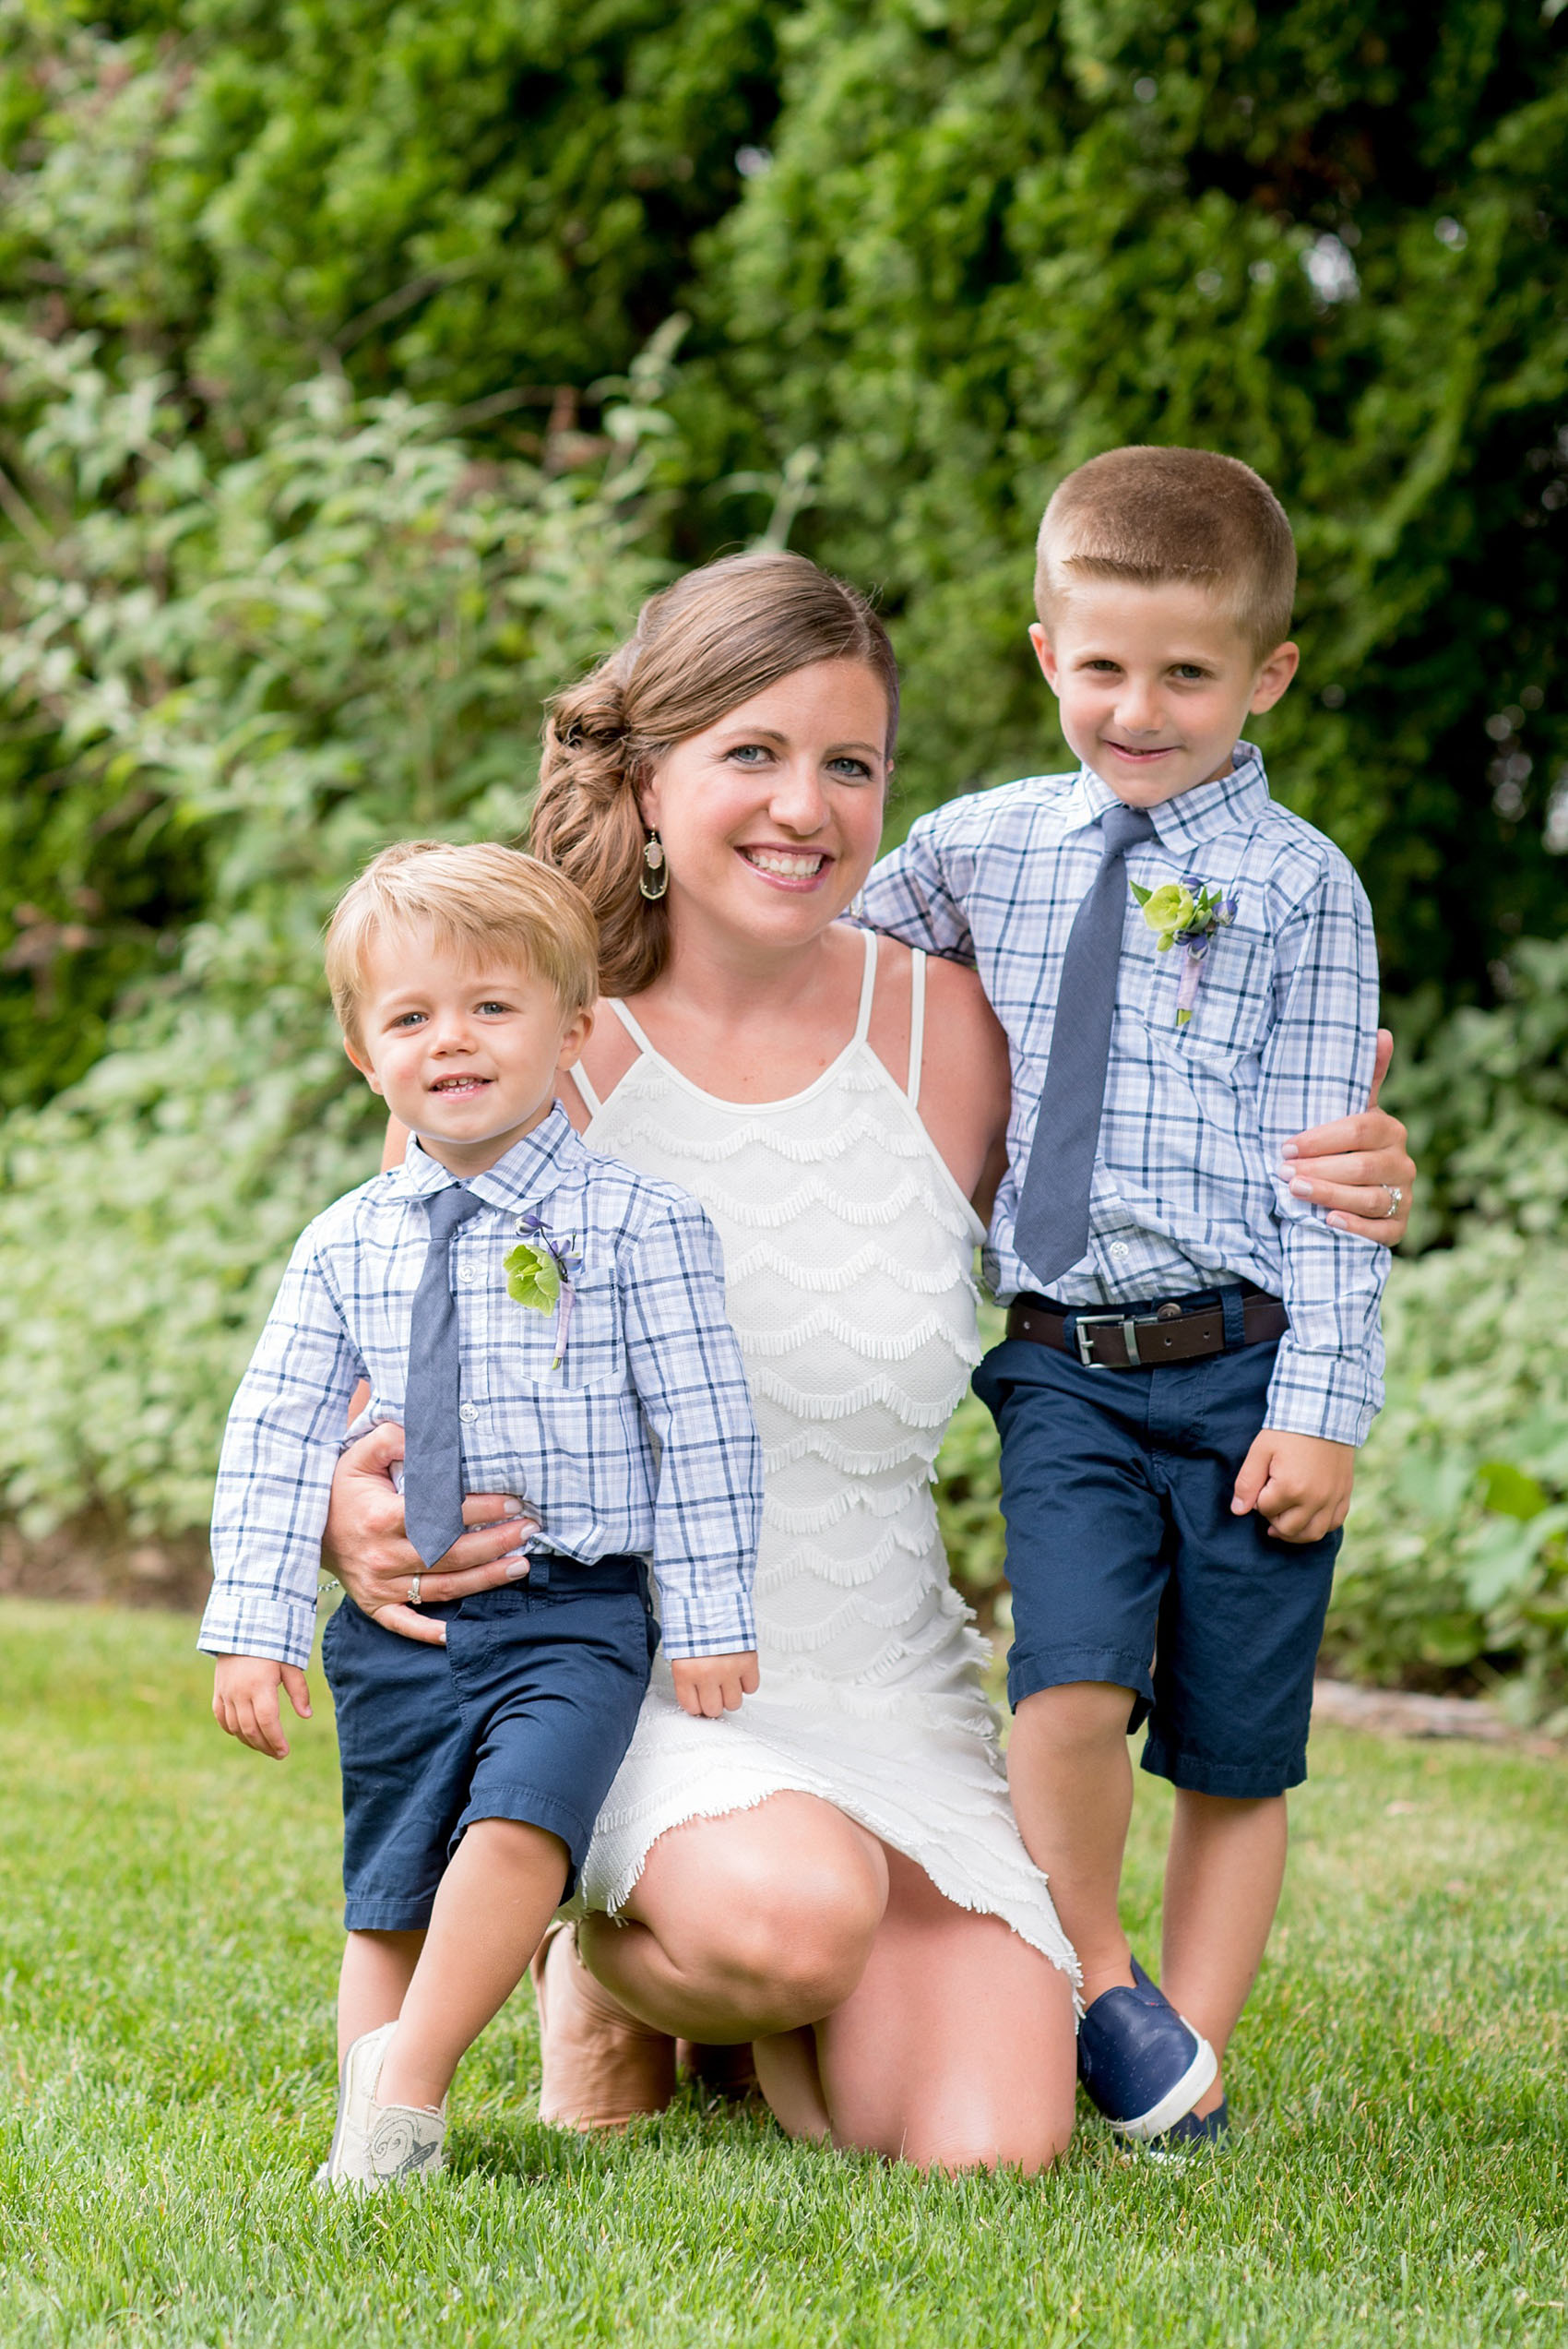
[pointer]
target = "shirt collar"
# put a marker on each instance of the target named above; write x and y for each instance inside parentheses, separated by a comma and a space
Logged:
(529, 1172)
(1194, 816)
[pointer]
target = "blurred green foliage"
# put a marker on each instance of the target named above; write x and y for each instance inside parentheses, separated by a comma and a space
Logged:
(1330, 239)
(326, 451)
(288, 659)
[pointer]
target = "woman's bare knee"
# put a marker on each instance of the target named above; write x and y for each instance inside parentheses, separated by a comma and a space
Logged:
(773, 1910)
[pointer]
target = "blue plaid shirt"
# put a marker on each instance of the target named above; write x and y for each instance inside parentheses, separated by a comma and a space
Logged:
(1186, 1188)
(642, 1442)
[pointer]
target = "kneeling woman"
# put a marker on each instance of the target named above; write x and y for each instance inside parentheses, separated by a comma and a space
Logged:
(834, 1874)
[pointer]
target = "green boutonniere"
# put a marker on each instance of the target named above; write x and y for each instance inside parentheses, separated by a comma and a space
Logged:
(539, 1276)
(1186, 914)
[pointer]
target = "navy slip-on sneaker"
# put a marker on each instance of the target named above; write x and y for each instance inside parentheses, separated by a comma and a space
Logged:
(1190, 2135)
(1140, 2063)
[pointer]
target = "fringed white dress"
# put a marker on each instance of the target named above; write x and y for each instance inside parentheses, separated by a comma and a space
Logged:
(848, 1251)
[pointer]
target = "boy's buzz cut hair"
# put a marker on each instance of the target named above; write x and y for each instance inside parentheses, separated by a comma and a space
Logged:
(475, 901)
(1152, 515)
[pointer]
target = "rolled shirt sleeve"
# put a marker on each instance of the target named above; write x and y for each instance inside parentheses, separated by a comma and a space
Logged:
(281, 1445)
(685, 1365)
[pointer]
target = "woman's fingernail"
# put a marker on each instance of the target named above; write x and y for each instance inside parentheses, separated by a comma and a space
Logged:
(516, 1566)
(513, 1503)
(1300, 1190)
(1291, 1150)
(1338, 1222)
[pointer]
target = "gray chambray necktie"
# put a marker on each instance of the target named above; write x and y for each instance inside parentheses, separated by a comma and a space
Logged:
(432, 1458)
(1051, 1230)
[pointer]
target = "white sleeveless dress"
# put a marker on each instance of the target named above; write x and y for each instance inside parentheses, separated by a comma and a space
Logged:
(848, 1249)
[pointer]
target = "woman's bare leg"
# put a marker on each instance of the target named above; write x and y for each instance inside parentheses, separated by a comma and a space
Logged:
(948, 2039)
(956, 2049)
(744, 1925)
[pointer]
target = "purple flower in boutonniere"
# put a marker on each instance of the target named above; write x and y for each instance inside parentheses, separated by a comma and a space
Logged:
(1190, 915)
(539, 1275)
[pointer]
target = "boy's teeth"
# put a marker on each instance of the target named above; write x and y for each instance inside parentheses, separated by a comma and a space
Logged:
(791, 869)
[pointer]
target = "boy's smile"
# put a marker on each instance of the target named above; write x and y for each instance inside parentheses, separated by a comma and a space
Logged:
(466, 1055)
(1153, 683)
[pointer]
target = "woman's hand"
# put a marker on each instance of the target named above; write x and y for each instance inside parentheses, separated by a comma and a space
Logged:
(1354, 1166)
(377, 1563)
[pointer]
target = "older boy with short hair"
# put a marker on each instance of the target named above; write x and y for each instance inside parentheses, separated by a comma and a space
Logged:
(1187, 975)
(545, 1322)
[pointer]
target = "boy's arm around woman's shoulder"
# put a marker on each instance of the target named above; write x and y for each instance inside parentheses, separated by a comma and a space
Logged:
(916, 893)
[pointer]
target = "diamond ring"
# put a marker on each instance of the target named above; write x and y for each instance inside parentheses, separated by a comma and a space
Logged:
(415, 1579)
(1396, 1199)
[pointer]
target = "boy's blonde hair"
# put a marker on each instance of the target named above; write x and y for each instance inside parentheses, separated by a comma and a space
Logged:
(479, 900)
(1156, 515)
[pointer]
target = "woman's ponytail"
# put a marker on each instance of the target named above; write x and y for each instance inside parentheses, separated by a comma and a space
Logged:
(588, 824)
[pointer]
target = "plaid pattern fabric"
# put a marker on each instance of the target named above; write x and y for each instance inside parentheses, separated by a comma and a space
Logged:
(1186, 1189)
(642, 1442)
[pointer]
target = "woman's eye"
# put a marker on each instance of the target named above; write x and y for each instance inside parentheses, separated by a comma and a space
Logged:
(851, 771)
(749, 753)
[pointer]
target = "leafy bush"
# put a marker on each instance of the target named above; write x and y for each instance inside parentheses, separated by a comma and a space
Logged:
(1457, 1553)
(1485, 1096)
(997, 238)
(288, 661)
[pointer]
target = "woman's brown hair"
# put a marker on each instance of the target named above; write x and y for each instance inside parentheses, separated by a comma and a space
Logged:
(700, 648)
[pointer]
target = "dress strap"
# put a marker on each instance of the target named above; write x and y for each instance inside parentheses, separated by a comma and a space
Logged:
(868, 988)
(917, 1024)
(579, 1077)
(630, 1025)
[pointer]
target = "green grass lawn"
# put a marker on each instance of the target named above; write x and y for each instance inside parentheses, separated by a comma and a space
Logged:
(168, 1941)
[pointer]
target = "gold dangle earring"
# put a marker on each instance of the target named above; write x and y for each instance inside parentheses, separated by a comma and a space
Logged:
(654, 879)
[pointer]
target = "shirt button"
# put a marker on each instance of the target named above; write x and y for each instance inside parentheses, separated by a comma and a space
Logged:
(468, 1414)
(468, 1274)
(1119, 1248)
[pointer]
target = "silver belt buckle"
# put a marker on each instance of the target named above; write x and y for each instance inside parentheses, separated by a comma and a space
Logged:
(1128, 1325)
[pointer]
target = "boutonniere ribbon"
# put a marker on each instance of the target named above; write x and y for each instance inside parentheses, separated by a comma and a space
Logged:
(1190, 915)
(539, 1275)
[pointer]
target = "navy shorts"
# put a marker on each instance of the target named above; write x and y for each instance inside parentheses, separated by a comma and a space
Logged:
(1127, 1566)
(525, 1713)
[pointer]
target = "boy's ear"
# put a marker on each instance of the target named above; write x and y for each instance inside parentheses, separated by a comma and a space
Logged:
(1274, 676)
(357, 1055)
(1045, 653)
(573, 1037)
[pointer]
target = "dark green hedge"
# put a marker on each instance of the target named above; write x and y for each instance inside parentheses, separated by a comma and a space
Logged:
(935, 253)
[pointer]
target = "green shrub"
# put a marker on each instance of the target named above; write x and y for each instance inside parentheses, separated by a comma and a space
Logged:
(1455, 1554)
(288, 659)
(998, 237)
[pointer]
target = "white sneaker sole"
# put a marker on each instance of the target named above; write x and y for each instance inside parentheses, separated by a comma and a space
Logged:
(1199, 2075)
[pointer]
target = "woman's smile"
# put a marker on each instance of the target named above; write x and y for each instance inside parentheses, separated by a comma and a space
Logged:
(791, 869)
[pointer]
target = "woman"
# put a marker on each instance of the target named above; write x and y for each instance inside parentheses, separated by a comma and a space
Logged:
(834, 1873)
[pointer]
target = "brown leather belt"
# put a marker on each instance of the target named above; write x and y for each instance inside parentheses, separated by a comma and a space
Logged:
(1141, 1340)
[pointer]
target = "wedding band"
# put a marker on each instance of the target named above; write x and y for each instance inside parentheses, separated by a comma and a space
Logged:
(1395, 1197)
(414, 1580)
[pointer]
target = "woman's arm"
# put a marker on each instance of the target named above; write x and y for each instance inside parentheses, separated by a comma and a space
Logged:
(965, 1082)
(1353, 1168)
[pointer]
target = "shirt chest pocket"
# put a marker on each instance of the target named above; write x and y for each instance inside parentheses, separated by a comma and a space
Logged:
(1229, 1010)
(584, 1332)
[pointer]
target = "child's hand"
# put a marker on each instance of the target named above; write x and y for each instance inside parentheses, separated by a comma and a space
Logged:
(1301, 1484)
(245, 1700)
(709, 1685)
